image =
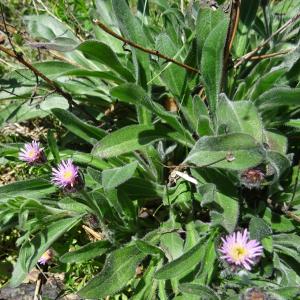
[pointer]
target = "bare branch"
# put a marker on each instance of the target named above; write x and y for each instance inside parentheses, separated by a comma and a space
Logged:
(249, 55)
(51, 83)
(150, 51)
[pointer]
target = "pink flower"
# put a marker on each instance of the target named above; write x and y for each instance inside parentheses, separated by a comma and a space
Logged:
(32, 153)
(46, 257)
(66, 175)
(239, 250)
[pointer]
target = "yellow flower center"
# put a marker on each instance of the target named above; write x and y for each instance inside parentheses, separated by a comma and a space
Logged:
(238, 252)
(31, 153)
(68, 175)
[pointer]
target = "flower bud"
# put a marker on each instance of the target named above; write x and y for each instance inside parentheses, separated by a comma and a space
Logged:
(252, 178)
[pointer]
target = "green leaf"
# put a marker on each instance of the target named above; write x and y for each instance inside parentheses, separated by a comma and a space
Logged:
(31, 251)
(294, 123)
(133, 30)
(60, 44)
(287, 244)
(224, 210)
(148, 249)
(54, 68)
(289, 240)
(47, 27)
(239, 116)
(276, 142)
(208, 258)
(87, 132)
(207, 20)
(112, 178)
(259, 229)
(32, 188)
(247, 16)
(86, 252)
(174, 75)
(212, 63)
(71, 205)
(147, 286)
(25, 112)
(127, 139)
(182, 265)
(118, 269)
(291, 292)
(139, 188)
(243, 151)
(134, 94)
(18, 275)
(279, 96)
(106, 75)
(53, 146)
(52, 102)
(171, 243)
(122, 204)
(288, 276)
(104, 54)
(201, 291)
(279, 163)
(282, 223)
(266, 82)
(85, 159)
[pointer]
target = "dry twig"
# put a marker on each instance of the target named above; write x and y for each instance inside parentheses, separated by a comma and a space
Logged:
(150, 51)
(249, 55)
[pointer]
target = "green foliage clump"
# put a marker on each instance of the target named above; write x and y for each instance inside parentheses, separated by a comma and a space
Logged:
(179, 135)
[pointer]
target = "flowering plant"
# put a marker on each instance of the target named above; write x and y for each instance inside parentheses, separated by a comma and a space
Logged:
(169, 166)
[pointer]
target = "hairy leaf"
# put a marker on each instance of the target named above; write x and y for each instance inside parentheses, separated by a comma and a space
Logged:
(119, 268)
(86, 252)
(212, 63)
(234, 151)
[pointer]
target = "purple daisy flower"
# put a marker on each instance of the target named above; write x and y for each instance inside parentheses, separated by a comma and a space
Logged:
(239, 250)
(46, 257)
(66, 176)
(32, 153)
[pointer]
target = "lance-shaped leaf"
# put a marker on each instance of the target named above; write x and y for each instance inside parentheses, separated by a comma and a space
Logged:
(259, 228)
(212, 63)
(118, 269)
(199, 290)
(279, 163)
(32, 188)
(173, 76)
(247, 16)
(239, 116)
(223, 210)
(85, 131)
(279, 96)
(104, 54)
(182, 265)
(86, 252)
(134, 94)
(128, 139)
(32, 250)
(112, 178)
(133, 30)
(207, 20)
(235, 151)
